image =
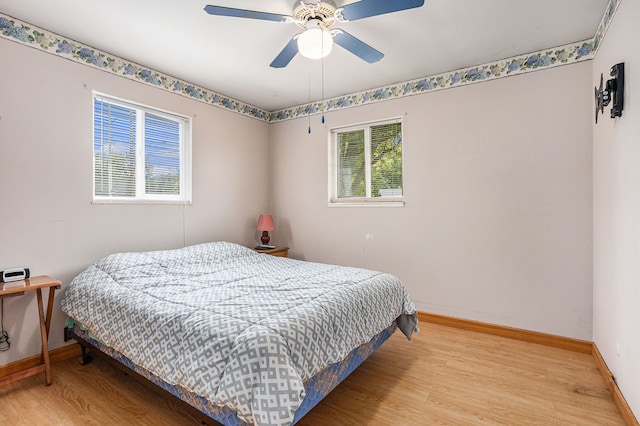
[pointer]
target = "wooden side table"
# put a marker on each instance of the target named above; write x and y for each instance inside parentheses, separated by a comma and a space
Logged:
(15, 288)
(278, 251)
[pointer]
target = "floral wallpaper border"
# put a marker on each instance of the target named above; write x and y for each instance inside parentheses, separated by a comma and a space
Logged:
(16, 30)
(519, 65)
(22, 32)
(604, 23)
(570, 53)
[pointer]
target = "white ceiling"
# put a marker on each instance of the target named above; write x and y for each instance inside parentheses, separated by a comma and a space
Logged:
(231, 56)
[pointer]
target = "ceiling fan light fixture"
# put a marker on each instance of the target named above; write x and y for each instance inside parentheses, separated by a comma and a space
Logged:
(315, 42)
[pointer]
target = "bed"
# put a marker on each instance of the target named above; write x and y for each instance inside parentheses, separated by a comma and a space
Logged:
(243, 337)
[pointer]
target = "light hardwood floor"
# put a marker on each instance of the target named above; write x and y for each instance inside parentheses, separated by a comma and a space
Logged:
(444, 376)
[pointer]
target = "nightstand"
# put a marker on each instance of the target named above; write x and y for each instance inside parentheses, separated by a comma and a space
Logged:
(278, 251)
(20, 288)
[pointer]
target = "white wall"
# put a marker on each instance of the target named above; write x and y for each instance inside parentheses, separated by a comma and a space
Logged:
(616, 218)
(497, 221)
(47, 221)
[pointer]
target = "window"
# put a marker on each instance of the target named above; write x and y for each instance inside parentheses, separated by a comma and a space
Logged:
(139, 154)
(366, 163)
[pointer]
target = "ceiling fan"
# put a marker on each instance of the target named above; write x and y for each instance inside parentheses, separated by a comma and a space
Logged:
(317, 17)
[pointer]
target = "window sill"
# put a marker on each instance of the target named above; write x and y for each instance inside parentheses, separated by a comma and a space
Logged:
(139, 201)
(367, 203)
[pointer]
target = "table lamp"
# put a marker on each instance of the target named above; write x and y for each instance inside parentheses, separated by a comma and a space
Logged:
(265, 224)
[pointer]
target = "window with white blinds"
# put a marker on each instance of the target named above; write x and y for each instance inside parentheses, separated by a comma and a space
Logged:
(139, 154)
(367, 163)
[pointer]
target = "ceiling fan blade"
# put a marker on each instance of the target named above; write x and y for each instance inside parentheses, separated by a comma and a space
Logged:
(357, 46)
(287, 54)
(243, 13)
(367, 8)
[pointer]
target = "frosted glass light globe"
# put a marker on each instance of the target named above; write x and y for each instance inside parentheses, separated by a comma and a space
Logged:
(315, 43)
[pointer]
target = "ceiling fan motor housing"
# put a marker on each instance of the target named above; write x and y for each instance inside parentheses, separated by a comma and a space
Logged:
(324, 11)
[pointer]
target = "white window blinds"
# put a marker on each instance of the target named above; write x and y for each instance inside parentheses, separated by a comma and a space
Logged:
(161, 155)
(139, 153)
(114, 149)
(351, 164)
(386, 160)
(367, 163)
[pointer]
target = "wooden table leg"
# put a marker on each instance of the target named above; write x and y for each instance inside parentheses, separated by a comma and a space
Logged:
(44, 335)
(52, 292)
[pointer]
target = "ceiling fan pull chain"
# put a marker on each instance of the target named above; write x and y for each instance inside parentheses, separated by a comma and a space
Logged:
(322, 88)
(309, 104)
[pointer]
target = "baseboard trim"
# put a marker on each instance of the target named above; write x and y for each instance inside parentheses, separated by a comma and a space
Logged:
(55, 355)
(561, 342)
(575, 345)
(618, 398)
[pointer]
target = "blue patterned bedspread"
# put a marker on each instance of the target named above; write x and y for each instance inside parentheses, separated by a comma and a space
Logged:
(241, 329)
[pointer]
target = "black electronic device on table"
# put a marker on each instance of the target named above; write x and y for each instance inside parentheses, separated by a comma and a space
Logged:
(15, 274)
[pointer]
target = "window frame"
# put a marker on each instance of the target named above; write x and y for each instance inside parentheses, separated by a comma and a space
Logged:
(185, 159)
(367, 200)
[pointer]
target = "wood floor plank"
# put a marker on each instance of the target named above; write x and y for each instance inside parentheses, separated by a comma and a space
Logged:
(444, 376)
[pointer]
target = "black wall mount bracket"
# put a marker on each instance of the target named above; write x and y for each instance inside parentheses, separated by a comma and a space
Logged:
(612, 91)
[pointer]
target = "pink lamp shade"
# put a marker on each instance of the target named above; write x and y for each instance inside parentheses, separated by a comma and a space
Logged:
(265, 224)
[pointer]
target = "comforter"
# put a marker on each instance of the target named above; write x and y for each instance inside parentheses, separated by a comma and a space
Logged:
(242, 329)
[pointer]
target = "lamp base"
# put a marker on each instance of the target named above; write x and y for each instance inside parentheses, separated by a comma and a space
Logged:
(265, 238)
